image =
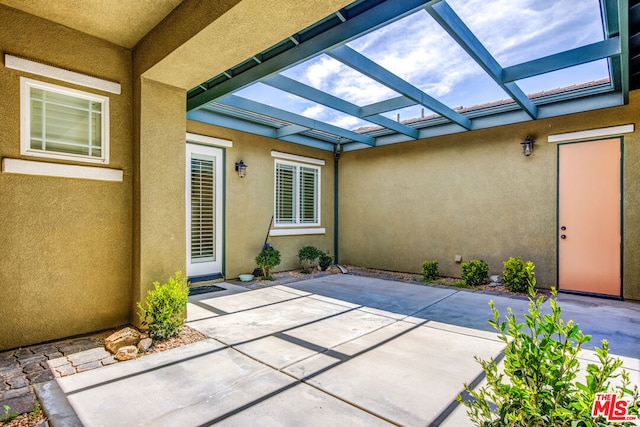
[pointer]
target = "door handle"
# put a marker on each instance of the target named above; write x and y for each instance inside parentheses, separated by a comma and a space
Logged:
(563, 236)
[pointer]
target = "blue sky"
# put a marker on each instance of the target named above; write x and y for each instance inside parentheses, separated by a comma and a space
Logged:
(419, 51)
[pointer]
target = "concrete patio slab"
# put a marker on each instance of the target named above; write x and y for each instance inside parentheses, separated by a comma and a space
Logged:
(392, 297)
(341, 350)
(246, 301)
(305, 406)
(262, 321)
(409, 379)
(339, 329)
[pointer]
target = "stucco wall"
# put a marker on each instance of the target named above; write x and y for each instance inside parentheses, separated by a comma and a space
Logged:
(159, 190)
(250, 200)
(65, 244)
(473, 194)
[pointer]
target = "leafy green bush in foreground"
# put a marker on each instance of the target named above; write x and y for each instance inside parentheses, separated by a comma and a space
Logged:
(164, 307)
(538, 386)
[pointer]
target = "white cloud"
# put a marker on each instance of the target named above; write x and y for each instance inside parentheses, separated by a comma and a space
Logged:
(348, 122)
(315, 112)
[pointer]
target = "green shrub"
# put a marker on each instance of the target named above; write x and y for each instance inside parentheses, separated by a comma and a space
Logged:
(308, 255)
(164, 307)
(475, 272)
(266, 260)
(540, 369)
(429, 271)
(325, 260)
(517, 274)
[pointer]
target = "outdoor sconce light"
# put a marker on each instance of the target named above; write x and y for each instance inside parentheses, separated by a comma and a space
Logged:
(241, 168)
(527, 146)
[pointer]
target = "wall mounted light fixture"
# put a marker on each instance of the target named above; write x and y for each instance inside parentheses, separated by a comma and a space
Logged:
(241, 168)
(527, 146)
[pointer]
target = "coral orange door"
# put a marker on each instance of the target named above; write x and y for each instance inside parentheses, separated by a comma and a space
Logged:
(589, 224)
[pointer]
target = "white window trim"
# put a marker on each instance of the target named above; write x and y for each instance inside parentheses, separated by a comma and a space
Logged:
(59, 170)
(275, 189)
(296, 158)
(296, 231)
(25, 122)
(592, 133)
(208, 140)
(44, 70)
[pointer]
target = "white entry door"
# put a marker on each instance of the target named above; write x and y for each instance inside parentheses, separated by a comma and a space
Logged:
(204, 210)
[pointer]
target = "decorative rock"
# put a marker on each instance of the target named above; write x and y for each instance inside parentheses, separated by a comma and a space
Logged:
(144, 344)
(125, 337)
(495, 278)
(494, 284)
(127, 353)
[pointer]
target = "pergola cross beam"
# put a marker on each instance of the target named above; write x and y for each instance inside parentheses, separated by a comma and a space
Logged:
(458, 30)
(307, 92)
(369, 68)
(292, 118)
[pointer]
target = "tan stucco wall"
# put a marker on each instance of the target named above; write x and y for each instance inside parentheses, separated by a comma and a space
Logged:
(65, 244)
(250, 200)
(159, 190)
(473, 194)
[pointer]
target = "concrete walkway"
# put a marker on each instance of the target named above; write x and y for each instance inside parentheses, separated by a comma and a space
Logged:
(336, 350)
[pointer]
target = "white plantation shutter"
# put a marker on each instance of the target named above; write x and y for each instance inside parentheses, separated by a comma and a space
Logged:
(308, 195)
(203, 196)
(297, 197)
(285, 194)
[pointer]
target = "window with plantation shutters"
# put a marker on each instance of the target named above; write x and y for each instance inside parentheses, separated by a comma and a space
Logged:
(297, 194)
(59, 122)
(203, 197)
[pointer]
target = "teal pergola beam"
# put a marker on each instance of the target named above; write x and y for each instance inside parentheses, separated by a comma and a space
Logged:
(214, 117)
(290, 130)
(387, 105)
(581, 55)
(375, 17)
(296, 119)
(361, 63)
(453, 25)
(304, 91)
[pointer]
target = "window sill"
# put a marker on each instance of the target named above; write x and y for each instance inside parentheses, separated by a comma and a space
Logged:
(28, 167)
(296, 231)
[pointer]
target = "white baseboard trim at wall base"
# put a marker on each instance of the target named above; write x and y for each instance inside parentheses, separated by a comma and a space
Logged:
(296, 231)
(40, 69)
(28, 167)
(592, 133)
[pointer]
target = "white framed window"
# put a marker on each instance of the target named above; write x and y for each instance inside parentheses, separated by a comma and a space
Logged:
(62, 123)
(297, 194)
